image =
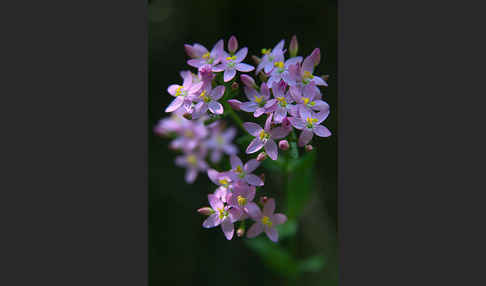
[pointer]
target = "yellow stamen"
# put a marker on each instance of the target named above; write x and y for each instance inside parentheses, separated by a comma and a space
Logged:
(305, 100)
(241, 201)
(282, 101)
(263, 135)
(233, 58)
(266, 51)
(239, 169)
(308, 75)
(223, 182)
(191, 159)
(204, 96)
(179, 91)
(279, 65)
(206, 56)
(258, 99)
(312, 103)
(189, 133)
(311, 121)
(266, 221)
(222, 213)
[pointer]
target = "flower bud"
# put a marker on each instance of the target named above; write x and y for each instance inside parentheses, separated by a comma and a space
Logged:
(190, 51)
(232, 44)
(262, 156)
(283, 145)
(263, 200)
(235, 86)
(240, 232)
(308, 148)
(256, 59)
(262, 176)
(316, 56)
(325, 77)
(294, 46)
(234, 103)
(248, 81)
(205, 211)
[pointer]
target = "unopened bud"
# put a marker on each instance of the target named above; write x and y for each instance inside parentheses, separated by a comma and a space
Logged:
(294, 46)
(316, 56)
(283, 145)
(263, 200)
(234, 103)
(262, 156)
(248, 81)
(235, 86)
(205, 211)
(325, 77)
(308, 148)
(240, 232)
(256, 59)
(190, 51)
(232, 44)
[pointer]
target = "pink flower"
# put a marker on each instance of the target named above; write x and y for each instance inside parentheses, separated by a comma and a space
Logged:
(222, 179)
(223, 215)
(242, 198)
(194, 162)
(308, 97)
(270, 57)
(231, 64)
(208, 99)
(266, 221)
(240, 172)
(280, 70)
(299, 75)
(265, 137)
(220, 142)
(257, 100)
(309, 124)
(183, 93)
(281, 104)
(202, 56)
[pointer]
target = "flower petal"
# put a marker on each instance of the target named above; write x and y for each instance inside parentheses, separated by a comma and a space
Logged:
(175, 104)
(272, 233)
(252, 128)
(229, 74)
(228, 228)
(322, 131)
(305, 137)
(249, 106)
(215, 107)
(197, 63)
(242, 67)
(217, 92)
(253, 180)
(272, 149)
(304, 112)
(215, 202)
(258, 112)
(254, 146)
(191, 175)
(213, 176)
(235, 162)
(241, 54)
(280, 113)
(255, 230)
(172, 89)
(279, 219)
(297, 122)
(279, 132)
(269, 207)
(212, 221)
(253, 210)
(251, 165)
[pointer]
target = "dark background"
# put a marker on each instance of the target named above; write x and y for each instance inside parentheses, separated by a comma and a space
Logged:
(180, 250)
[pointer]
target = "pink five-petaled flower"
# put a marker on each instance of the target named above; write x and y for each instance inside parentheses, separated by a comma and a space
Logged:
(194, 162)
(309, 123)
(266, 221)
(299, 75)
(202, 56)
(270, 56)
(265, 137)
(242, 198)
(281, 103)
(308, 97)
(220, 142)
(240, 172)
(208, 99)
(231, 64)
(183, 93)
(223, 215)
(222, 179)
(257, 100)
(280, 70)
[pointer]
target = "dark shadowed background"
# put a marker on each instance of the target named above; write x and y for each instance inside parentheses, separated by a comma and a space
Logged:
(181, 252)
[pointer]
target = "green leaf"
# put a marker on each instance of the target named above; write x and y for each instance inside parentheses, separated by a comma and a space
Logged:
(300, 181)
(244, 140)
(288, 229)
(312, 264)
(274, 256)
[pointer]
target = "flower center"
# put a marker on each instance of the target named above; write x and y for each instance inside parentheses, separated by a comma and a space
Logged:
(233, 58)
(180, 91)
(282, 101)
(263, 135)
(312, 103)
(204, 96)
(240, 172)
(241, 201)
(266, 51)
(189, 133)
(266, 221)
(306, 77)
(310, 122)
(224, 182)
(192, 160)
(206, 56)
(259, 99)
(305, 100)
(279, 65)
(220, 140)
(222, 213)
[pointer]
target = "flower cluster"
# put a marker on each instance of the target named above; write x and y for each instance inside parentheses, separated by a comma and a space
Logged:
(288, 99)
